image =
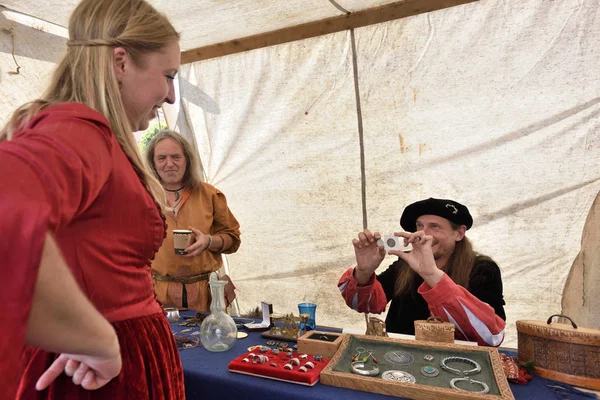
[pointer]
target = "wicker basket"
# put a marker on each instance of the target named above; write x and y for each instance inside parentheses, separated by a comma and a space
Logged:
(562, 352)
(434, 329)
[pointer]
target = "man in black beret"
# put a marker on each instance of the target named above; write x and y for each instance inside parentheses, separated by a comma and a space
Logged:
(441, 276)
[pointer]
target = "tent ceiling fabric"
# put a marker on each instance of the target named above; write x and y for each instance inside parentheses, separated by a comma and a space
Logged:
(55, 11)
(214, 21)
(36, 51)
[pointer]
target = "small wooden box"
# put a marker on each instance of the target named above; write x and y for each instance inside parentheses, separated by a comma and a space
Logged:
(561, 352)
(324, 344)
(434, 330)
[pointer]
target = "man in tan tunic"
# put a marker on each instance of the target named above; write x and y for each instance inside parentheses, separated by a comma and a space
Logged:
(182, 280)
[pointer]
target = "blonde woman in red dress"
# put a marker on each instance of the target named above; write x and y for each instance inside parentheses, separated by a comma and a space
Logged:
(73, 156)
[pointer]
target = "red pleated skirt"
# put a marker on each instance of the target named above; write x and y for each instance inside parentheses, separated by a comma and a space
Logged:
(151, 367)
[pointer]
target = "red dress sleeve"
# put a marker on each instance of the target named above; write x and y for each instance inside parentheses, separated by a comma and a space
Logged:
(368, 299)
(24, 230)
(474, 319)
(61, 160)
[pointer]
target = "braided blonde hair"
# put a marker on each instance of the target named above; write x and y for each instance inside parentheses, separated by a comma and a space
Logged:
(86, 74)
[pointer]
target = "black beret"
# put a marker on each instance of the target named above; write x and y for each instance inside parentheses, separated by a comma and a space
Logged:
(449, 209)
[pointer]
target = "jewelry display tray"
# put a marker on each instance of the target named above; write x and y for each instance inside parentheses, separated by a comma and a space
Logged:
(338, 372)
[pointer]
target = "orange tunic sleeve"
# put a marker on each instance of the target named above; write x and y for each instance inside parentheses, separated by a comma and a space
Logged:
(225, 224)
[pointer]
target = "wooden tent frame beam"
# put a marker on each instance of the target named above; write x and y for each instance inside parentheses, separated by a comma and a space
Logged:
(369, 16)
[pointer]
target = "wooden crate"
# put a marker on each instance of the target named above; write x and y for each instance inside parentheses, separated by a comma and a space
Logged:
(324, 344)
(561, 352)
(415, 391)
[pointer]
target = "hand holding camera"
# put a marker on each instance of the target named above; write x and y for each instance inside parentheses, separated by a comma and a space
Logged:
(370, 250)
(392, 242)
(368, 255)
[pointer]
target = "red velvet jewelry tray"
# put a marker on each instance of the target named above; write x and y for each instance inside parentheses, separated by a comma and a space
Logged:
(309, 378)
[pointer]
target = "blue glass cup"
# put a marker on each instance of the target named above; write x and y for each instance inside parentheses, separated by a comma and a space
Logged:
(309, 309)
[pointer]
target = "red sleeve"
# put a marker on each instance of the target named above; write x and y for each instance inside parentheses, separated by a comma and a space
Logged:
(61, 159)
(24, 227)
(370, 298)
(474, 319)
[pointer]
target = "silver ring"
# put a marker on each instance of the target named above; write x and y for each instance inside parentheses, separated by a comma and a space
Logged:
(357, 368)
(260, 359)
(484, 385)
(475, 370)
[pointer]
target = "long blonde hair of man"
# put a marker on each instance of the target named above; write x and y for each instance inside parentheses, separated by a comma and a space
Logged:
(86, 74)
(193, 171)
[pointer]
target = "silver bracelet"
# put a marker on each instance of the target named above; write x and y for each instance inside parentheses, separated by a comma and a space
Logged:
(357, 368)
(209, 242)
(475, 370)
(484, 385)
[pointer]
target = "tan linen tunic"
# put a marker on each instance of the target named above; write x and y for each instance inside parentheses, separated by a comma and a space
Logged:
(206, 210)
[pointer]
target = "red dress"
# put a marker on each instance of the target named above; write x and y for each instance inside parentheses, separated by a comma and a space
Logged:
(21, 244)
(67, 161)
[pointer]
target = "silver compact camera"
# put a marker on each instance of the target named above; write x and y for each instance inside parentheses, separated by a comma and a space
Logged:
(391, 242)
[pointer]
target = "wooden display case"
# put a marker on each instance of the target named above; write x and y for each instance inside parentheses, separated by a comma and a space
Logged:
(337, 372)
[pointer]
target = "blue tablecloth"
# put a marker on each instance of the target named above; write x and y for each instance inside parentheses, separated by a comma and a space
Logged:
(207, 377)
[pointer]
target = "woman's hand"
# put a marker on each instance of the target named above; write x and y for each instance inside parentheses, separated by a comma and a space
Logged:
(91, 372)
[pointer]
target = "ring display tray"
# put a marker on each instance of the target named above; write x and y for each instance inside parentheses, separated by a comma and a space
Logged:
(277, 371)
(416, 359)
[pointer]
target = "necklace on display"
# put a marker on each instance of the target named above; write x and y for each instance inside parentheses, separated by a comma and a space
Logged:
(176, 191)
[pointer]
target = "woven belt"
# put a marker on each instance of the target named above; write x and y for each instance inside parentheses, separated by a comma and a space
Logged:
(182, 279)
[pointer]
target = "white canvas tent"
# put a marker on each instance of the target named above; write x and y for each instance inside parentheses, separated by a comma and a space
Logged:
(494, 103)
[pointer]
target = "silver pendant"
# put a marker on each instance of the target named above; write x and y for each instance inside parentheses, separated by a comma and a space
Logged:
(398, 376)
(430, 371)
(399, 357)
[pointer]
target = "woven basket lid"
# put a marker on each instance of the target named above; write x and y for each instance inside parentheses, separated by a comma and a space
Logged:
(570, 332)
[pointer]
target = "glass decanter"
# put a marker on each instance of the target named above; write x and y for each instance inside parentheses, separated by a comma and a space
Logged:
(218, 331)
